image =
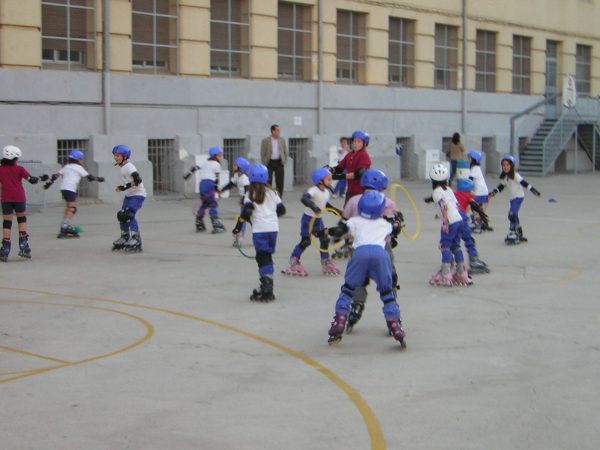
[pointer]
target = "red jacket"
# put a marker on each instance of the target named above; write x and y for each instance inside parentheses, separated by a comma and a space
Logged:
(351, 163)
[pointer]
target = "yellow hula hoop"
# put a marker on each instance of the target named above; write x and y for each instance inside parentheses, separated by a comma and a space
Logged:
(313, 241)
(415, 235)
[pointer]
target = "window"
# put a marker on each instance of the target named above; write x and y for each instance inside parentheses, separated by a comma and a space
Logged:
(154, 39)
(583, 63)
(161, 153)
(351, 40)
(521, 65)
(62, 157)
(294, 42)
(446, 57)
(69, 34)
(229, 31)
(401, 46)
(232, 149)
(485, 64)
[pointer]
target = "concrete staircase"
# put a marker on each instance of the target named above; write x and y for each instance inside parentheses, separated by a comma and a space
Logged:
(531, 157)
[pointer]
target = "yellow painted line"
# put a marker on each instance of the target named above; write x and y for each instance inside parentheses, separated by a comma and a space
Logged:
(369, 418)
(147, 325)
(34, 355)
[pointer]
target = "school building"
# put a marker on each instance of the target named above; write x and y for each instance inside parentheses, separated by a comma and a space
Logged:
(171, 78)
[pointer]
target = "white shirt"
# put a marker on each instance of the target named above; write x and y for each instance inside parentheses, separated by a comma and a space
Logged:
(210, 170)
(240, 181)
(264, 217)
(368, 231)
(514, 186)
(275, 149)
(449, 203)
(71, 174)
(319, 197)
(479, 186)
(126, 171)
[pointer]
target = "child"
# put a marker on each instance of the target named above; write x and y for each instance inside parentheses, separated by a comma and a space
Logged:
(241, 181)
(209, 189)
(515, 182)
(480, 190)
(369, 261)
(135, 194)
(450, 233)
(376, 180)
(316, 199)
(71, 174)
(262, 207)
(351, 168)
(340, 187)
(13, 200)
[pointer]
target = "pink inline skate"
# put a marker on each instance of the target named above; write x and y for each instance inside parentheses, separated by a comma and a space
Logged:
(295, 268)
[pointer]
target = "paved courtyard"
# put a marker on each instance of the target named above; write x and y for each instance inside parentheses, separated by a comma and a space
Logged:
(163, 349)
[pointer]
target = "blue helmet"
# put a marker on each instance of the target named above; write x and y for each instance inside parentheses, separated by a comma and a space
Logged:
(214, 151)
(122, 150)
(464, 185)
(75, 154)
(475, 156)
(258, 174)
(371, 204)
(242, 163)
(510, 159)
(361, 135)
(374, 179)
(319, 174)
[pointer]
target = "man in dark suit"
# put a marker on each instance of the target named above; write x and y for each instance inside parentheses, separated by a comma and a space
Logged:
(273, 154)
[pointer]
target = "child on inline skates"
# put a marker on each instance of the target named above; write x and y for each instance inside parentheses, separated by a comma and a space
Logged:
(14, 201)
(209, 189)
(515, 182)
(351, 168)
(241, 181)
(376, 180)
(71, 174)
(481, 192)
(316, 199)
(452, 223)
(262, 207)
(369, 261)
(135, 194)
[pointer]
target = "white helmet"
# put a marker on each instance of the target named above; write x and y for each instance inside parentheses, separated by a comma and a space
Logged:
(11, 152)
(439, 172)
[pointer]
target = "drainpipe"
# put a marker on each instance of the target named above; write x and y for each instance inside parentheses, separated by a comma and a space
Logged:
(463, 104)
(320, 72)
(106, 64)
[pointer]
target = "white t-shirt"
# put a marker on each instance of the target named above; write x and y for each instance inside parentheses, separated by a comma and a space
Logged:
(319, 197)
(514, 186)
(449, 201)
(275, 149)
(210, 170)
(264, 217)
(126, 171)
(368, 231)
(71, 175)
(240, 181)
(479, 186)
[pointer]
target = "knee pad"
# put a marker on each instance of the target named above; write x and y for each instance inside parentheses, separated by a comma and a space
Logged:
(125, 215)
(347, 290)
(324, 240)
(21, 219)
(388, 296)
(7, 224)
(263, 259)
(304, 243)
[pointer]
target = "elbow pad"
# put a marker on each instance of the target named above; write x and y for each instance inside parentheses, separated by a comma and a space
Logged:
(137, 179)
(307, 201)
(280, 209)
(247, 210)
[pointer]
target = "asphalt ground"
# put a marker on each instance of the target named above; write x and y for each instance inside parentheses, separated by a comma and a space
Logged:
(163, 349)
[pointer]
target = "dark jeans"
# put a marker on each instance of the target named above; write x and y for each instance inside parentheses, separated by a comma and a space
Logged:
(275, 166)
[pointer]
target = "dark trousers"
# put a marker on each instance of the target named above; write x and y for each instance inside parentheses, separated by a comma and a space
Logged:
(275, 166)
